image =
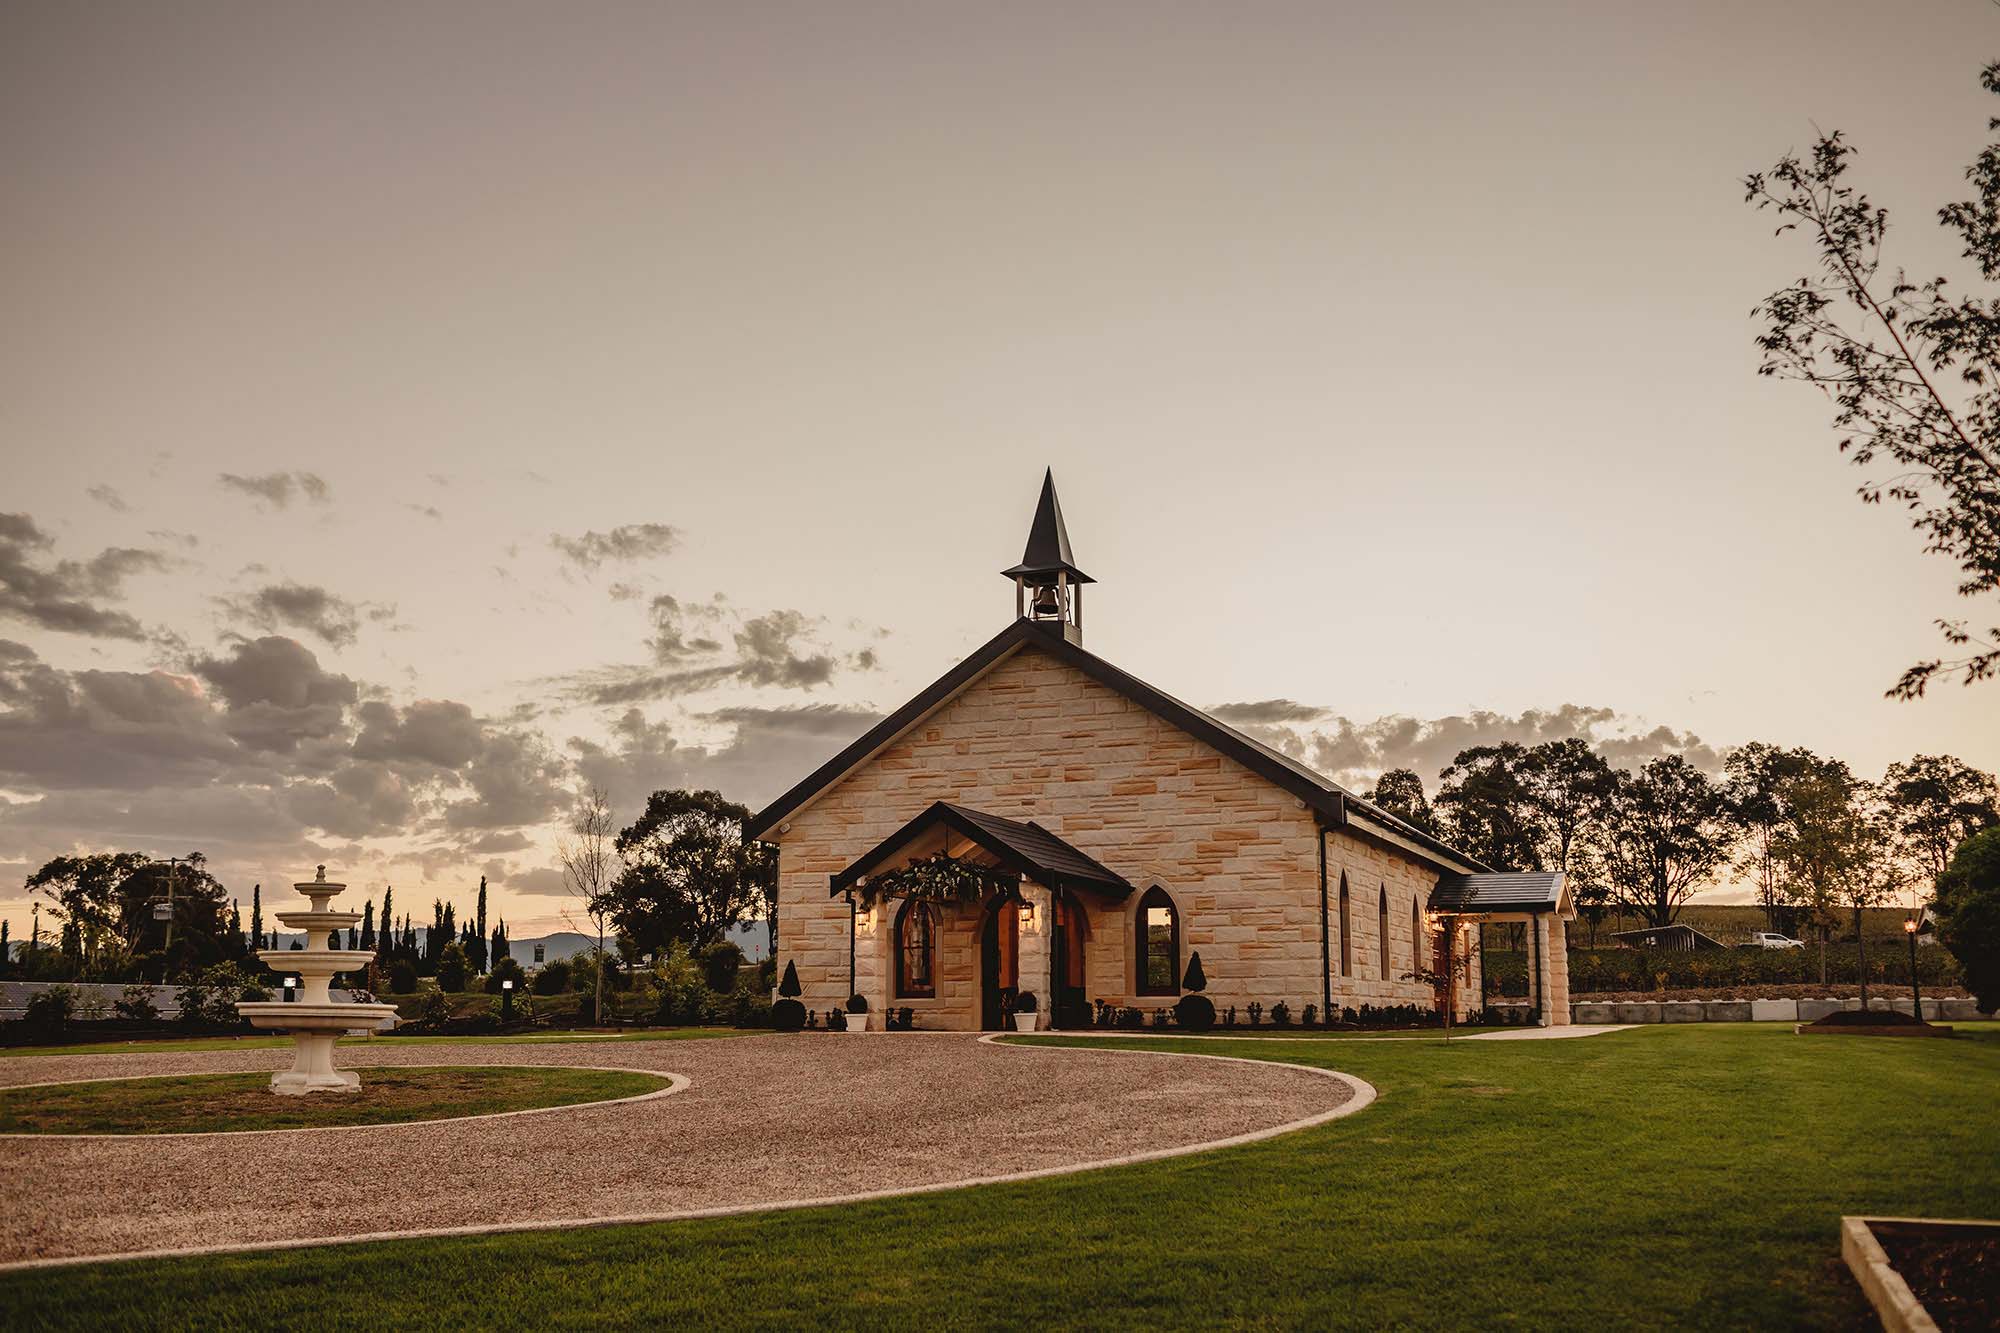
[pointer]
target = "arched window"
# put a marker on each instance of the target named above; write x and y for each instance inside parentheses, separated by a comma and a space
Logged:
(1346, 930)
(1159, 944)
(1416, 938)
(916, 950)
(1382, 930)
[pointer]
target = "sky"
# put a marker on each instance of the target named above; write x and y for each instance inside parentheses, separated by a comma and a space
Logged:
(413, 413)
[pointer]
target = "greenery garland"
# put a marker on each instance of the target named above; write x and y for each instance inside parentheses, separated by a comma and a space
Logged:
(940, 878)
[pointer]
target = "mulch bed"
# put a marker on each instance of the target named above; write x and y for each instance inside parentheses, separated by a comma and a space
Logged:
(1954, 1272)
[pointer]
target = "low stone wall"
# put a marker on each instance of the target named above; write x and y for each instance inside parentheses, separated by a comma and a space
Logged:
(1761, 1011)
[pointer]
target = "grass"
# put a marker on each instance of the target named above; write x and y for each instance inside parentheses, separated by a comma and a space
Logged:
(1673, 1176)
(148, 1045)
(205, 1103)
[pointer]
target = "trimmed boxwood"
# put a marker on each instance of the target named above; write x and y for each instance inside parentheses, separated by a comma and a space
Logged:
(788, 1015)
(1195, 1011)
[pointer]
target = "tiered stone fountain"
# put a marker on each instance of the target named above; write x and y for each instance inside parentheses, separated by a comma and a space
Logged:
(314, 1019)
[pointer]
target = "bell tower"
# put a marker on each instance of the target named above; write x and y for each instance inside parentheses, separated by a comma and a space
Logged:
(1048, 587)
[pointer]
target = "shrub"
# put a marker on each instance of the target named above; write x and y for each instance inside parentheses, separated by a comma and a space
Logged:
(135, 1004)
(1196, 1012)
(1281, 1015)
(552, 978)
(789, 987)
(209, 999)
(1162, 1017)
(1195, 979)
(857, 1003)
(402, 977)
(1256, 1013)
(836, 1021)
(1131, 1018)
(1310, 1018)
(788, 1015)
(48, 1012)
(720, 963)
(1025, 1002)
(507, 969)
(433, 1012)
(452, 968)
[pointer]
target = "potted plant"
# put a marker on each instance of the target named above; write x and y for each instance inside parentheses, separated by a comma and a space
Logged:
(857, 1012)
(1024, 1011)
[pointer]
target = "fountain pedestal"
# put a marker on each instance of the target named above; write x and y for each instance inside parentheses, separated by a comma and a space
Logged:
(315, 1020)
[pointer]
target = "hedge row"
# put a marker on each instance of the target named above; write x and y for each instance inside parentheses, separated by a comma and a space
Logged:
(1594, 970)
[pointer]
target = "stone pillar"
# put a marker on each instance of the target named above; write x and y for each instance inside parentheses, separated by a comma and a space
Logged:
(1555, 949)
(871, 953)
(1033, 959)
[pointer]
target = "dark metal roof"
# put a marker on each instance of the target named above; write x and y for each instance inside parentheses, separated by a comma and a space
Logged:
(1326, 798)
(1531, 891)
(1025, 848)
(1694, 938)
(1048, 540)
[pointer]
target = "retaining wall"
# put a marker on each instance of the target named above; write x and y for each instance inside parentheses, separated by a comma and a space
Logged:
(1760, 1011)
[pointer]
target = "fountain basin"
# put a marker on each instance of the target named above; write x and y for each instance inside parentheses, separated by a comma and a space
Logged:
(314, 1028)
(317, 922)
(316, 962)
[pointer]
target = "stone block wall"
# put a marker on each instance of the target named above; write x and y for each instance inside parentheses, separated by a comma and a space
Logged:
(1036, 739)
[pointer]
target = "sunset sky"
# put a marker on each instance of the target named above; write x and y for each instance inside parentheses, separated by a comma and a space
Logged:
(411, 412)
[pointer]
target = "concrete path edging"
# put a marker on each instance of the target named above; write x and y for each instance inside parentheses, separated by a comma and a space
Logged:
(675, 1083)
(1362, 1095)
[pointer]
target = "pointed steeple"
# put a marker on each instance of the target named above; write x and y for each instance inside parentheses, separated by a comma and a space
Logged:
(1047, 584)
(1048, 540)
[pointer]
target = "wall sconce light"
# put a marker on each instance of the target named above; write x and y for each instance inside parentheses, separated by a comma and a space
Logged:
(1027, 914)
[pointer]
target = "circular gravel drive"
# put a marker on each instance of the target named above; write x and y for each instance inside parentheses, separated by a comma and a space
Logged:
(765, 1120)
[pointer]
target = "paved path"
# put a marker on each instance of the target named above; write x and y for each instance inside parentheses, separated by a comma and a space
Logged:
(766, 1120)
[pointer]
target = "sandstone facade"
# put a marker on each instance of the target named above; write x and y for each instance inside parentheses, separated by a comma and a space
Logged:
(1036, 739)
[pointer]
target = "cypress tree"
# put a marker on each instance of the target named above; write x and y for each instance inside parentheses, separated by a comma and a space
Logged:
(368, 924)
(388, 940)
(6, 948)
(236, 939)
(257, 916)
(481, 922)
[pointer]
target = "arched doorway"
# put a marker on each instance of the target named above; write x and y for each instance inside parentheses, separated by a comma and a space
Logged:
(999, 960)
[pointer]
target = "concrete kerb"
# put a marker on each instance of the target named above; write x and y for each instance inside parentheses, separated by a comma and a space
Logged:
(675, 1083)
(1363, 1095)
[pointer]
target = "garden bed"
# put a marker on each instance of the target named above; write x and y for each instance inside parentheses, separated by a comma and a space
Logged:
(1917, 1268)
(208, 1103)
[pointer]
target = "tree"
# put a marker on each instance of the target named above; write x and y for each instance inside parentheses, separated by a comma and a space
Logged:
(1401, 792)
(498, 949)
(84, 892)
(1666, 834)
(1565, 784)
(1483, 807)
(1449, 968)
(106, 901)
(256, 916)
(1838, 846)
(480, 923)
(1754, 778)
(368, 924)
(688, 873)
(1913, 374)
(388, 938)
(589, 856)
(1968, 914)
(6, 949)
(1937, 802)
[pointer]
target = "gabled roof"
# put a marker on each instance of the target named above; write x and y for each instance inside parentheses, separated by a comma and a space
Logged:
(1334, 805)
(1517, 892)
(1048, 540)
(1024, 848)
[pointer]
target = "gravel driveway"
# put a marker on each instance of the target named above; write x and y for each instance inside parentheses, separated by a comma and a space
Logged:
(766, 1119)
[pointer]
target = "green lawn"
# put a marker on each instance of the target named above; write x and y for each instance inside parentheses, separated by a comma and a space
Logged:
(1671, 1176)
(366, 1043)
(203, 1103)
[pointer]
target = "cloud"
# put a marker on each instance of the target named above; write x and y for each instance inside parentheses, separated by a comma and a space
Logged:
(776, 649)
(313, 609)
(1355, 753)
(1269, 712)
(276, 489)
(109, 498)
(62, 595)
(769, 646)
(438, 732)
(276, 696)
(633, 541)
(767, 750)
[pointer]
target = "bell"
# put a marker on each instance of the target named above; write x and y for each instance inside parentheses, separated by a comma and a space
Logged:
(1046, 605)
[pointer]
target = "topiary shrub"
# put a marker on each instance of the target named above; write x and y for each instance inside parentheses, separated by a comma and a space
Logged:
(1025, 1002)
(789, 987)
(788, 1015)
(1195, 979)
(1196, 1012)
(857, 1003)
